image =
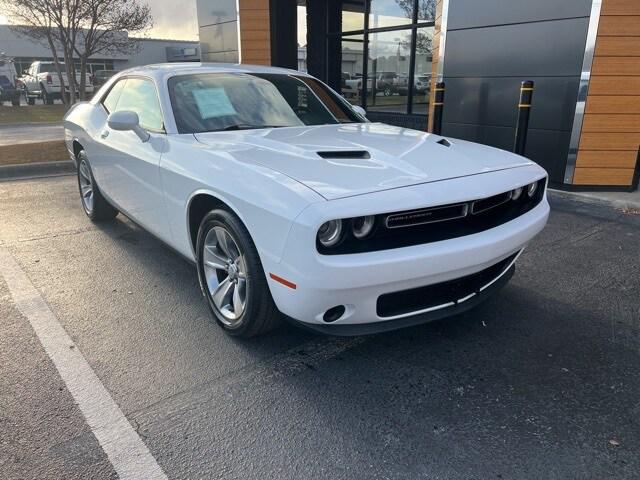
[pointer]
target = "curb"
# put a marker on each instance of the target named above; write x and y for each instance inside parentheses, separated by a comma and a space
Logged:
(629, 200)
(34, 170)
(31, 124)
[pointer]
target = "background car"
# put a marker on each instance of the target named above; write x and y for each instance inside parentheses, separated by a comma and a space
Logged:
(422, 83)
(9, 92)
(42, 81)
(100, 77)
(292, 205)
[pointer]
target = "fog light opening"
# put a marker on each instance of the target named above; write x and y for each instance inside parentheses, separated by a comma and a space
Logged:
(333, 314)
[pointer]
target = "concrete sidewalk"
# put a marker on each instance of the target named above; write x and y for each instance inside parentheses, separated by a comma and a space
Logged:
(622, 200)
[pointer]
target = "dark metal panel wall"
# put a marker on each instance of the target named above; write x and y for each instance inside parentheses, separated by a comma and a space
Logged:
(284, 34)
(479, 13)
(492, 46)
(324, 52)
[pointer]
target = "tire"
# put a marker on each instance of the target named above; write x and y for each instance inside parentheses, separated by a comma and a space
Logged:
(387, 92)
(222, 238)
(93, 203)
(30, 100)
(47, 99)
(15, 102)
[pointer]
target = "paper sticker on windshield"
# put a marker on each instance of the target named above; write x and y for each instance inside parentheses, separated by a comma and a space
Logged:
(213, 102)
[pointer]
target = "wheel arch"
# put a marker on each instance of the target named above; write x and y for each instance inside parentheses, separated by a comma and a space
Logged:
(77, 148)
(200, 203)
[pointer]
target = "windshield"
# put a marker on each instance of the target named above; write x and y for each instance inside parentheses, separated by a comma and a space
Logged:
(209, 102)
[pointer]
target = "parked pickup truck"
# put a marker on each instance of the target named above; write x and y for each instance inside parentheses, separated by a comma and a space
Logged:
(387, 83)
(41, 81)
(8, 90)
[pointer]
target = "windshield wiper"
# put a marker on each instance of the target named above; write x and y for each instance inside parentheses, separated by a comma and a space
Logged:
(245, 126)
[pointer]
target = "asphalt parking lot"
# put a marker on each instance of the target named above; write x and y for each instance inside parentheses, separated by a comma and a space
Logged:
(541, 381)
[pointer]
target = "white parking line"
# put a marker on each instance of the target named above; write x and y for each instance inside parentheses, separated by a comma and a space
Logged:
(127, 453)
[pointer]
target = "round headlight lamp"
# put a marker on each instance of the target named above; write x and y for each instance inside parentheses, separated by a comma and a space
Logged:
(531, 189)
(516, 194)
(330, 233)
(362, 226)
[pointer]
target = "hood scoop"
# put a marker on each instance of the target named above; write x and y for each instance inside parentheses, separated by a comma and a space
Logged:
(345, 154)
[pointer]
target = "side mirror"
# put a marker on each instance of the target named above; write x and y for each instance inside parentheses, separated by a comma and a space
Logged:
(127, 120)
(360, 111)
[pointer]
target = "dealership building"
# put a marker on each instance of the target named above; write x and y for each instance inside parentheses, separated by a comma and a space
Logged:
(25, 51)
(582, 55)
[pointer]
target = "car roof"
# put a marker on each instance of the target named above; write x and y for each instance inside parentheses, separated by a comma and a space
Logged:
(163, 70)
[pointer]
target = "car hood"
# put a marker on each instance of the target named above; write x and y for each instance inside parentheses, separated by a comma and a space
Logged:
(338, 161)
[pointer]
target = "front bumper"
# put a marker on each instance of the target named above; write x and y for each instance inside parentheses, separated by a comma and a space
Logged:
(356, 281)
(350, 329)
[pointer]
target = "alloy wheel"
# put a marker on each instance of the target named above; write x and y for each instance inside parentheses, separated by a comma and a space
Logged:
(226, 274)
(86, 186)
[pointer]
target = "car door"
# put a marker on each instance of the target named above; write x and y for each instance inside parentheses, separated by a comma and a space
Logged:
(31, 79)
(128, 168)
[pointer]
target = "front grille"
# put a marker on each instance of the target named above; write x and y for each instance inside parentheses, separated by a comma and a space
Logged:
(437, 223)
(439, 294)
(426, 215)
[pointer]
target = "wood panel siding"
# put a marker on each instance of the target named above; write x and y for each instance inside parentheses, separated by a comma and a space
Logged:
(255, 32)
(613, 104)
(609, 84)
(603, 176)
(610, 136)
(626, 26)
(609, 123)
(604, 159)
(610, 141)
(616, 66)
(434, 63)
(620, 7)
(625, 46)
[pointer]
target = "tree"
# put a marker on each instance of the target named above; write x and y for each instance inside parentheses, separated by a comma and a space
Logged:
(79, 29)
(426, 12)
(107, 28)
(35, 19)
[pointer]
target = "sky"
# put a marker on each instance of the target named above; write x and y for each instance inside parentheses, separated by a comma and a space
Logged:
(176, 20)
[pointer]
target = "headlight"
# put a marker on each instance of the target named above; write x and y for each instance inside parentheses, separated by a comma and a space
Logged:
(330, 233)
(516, 194)
(531, 189)
(362, 226)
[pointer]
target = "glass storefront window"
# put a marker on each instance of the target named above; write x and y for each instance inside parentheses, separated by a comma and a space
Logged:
(353, 15)
(426, 10)
(390, 13)
(388, 70)
(352, 61)
(393, 68)
(422, 76)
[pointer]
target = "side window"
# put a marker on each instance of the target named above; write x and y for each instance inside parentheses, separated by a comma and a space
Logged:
(111, 100)
(139, 95)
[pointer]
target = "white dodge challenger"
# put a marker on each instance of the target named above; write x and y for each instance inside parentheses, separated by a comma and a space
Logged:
(293, 205)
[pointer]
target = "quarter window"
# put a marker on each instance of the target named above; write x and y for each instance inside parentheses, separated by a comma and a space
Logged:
(111, 100)
(136, 95)
(139, 95)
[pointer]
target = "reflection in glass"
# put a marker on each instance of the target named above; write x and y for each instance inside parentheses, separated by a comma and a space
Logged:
(426, 10)
(422, 77)
(388, 71)
(139, 95)
(390, 13)
(210, 102)
(352, 56)
(352, 15)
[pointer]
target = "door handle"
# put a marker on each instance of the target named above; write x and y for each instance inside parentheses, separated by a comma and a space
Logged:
(104, 134)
